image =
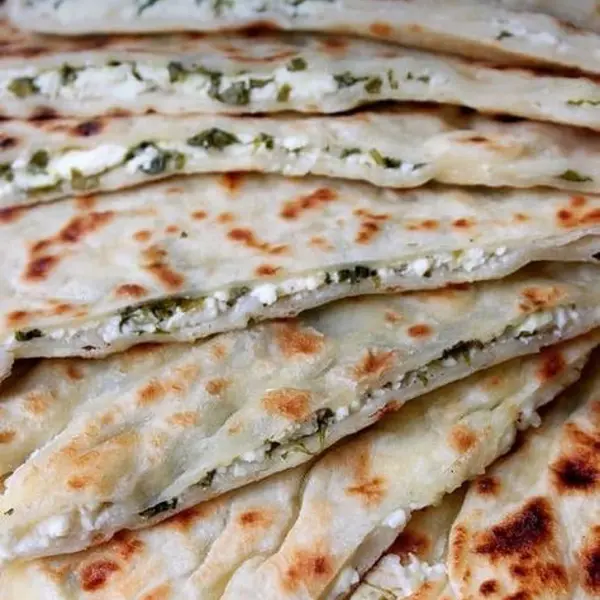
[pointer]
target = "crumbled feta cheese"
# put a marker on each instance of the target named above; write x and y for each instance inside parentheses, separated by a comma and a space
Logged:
(534, 322)
(396, 519)
(143, 160)
(473, 258)
(266, 294)
(420, 266)
(341, 413)
(89, 162)
(347, 578)
(49, 83)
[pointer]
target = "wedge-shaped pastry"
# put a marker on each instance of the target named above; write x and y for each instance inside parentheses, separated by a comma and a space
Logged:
(204, 419)
(182, 260)
(310, 532)
(483, 29)
(187, 73)
(527, 528)
(393, 147)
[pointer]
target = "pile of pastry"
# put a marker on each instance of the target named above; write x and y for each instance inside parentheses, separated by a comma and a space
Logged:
(299, 300)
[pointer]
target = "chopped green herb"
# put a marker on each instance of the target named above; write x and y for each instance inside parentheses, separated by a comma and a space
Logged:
(207, 480)
(179, 160)
(271, 447)
(504, 34)
(158, 161)
(82, 183)
(462, 350)
(346, 79)
(114, 63)
(24, 335)
(236, 94)
(159, 508)
(324, 417)
(264, 139)
(68, 74)
(220, 5)
(583, 102)
(9, 512)
(177, 72)
(373, 86)
(354, 275)
(184, 234)
(422, 377)
(346, 152)
(6, 172)
(260, 83)
(384, 161)
(213, 138)
(574, 176)
(284, 93)
(297, 64)
(392, 79)
(38, 162)
(421, 78)
(23, 87)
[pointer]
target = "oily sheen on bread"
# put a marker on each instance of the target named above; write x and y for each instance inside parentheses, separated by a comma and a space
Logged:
(177, 261)
(267, 73)
(403, 146)
(532, 513)
(312, 531)
(512, 32)
(201, 420)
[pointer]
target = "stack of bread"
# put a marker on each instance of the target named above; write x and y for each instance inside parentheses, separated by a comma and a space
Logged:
(284, 284)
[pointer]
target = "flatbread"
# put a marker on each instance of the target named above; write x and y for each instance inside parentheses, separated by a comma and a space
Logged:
(310, 533)
(186, 259)
(241, 406)
(393, 147)
(267, 73)
(532, 526)
(474, 29)
(528, 527)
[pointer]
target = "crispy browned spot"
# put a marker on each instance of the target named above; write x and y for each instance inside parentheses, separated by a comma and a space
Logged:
(233, 181)
(95, 575)
(11, 214)
(88, 128)
(489, 587)
(290, 403)
(172, 229)
(367, 231)
(320, 242)
(589, 556)
(217, 386)
(591, 218)
(7, 436)
(131, 290)
(577, 470)
(294, 208)
(411, 542)
(577, 201)
(7, 142)
(184, 419)
(463, 223)
(17, 316)
(79, 227)
(37, 402)
(218, 351)
(266, 270)
(77, 482)
(380, 29)
(370, 492)
(143, 235)
(254, 519)
(462, 439)
(487, 485)
(44, 113)
(39, 268)
(425, 225)
(392, 316)
(126, 544)
(155, 262)
(421, 330)
(73, 372)
(373, 364)
(538, 298)
(308, 567)
(295, 342)
(151, 392)
(522, 533)
(162, 592)
(553, 364)
(186, 518)
(370, 216)
(521, 217)
(199, 215)
(249, 239)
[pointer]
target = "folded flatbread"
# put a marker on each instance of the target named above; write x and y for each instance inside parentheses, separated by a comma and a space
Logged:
(393, 147)
(266, 73)
(527, 528)
(182, 260)
(207, 418)
(484, 30)
(310, 532)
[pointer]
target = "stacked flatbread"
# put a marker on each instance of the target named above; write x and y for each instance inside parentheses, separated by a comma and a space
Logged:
(277, 275)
